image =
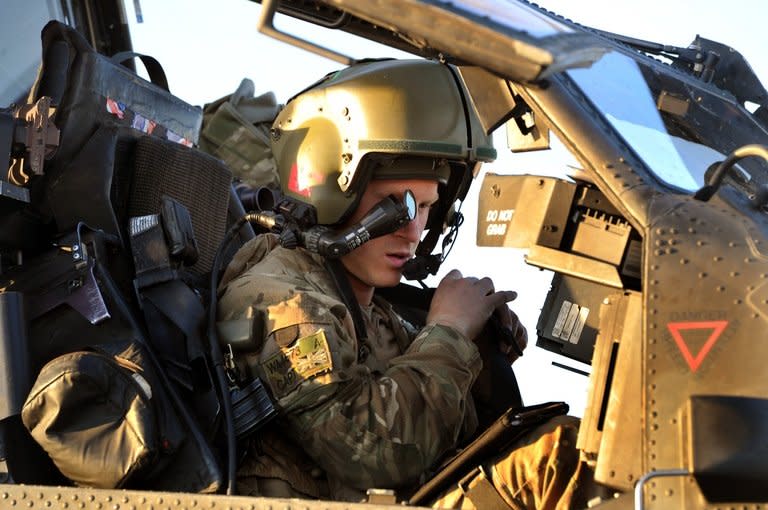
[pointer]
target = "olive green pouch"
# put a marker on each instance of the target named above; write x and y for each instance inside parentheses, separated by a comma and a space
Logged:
(94, 416)
(236, 130)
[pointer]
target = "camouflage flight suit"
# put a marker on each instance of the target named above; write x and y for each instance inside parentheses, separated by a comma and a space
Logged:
(356, 416)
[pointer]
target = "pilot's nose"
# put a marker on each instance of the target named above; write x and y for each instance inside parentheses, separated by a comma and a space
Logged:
(412, 230)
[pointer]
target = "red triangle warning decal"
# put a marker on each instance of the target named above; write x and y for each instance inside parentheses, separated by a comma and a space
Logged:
(694, 362)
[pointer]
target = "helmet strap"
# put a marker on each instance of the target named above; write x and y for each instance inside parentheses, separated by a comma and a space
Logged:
(424, 263)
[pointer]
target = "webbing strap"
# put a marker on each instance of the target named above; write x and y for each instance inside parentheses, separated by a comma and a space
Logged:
(153, 67)
(340, 278)
(183, 355)
(182, 307)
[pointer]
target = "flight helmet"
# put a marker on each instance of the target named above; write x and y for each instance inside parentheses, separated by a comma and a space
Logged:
(378, 119)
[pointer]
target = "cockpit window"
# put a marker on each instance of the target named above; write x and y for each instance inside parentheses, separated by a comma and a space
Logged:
(512, 15)
(675, 126)
(20, 45)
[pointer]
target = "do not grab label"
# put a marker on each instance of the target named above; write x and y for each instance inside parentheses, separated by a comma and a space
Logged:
(497, 221)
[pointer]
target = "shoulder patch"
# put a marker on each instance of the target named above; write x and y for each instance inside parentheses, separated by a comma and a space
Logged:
(306, 357)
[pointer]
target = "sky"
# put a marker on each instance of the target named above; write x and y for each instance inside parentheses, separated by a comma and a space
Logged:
(207, 48)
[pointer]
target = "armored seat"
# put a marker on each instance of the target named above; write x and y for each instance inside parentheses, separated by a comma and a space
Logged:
(125, 150)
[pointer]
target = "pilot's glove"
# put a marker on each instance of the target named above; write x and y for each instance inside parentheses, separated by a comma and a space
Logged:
(466, 304)
(513, 344)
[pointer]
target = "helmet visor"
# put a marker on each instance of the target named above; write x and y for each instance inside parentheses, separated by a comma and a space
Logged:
(398, 167)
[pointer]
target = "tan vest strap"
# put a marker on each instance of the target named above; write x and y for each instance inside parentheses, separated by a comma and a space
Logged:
(481, 492)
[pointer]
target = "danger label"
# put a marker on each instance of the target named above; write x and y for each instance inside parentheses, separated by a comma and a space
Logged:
(692, 357)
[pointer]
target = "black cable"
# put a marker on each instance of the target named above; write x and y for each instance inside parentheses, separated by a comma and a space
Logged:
(111, 287)
(341, 280)
(218, 360)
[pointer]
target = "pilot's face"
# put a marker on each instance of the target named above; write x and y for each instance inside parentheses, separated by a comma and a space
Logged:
(380, 261)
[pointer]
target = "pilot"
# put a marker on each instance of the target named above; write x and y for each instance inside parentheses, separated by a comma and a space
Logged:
(379, 406)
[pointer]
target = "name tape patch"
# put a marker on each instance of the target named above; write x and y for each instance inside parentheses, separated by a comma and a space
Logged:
(306, 357)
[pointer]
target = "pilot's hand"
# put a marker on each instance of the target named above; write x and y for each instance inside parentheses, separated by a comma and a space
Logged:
(466, 304)
(512, 346)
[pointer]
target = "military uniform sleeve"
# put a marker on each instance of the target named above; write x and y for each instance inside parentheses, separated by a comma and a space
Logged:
(386, 429)
(364, 428)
